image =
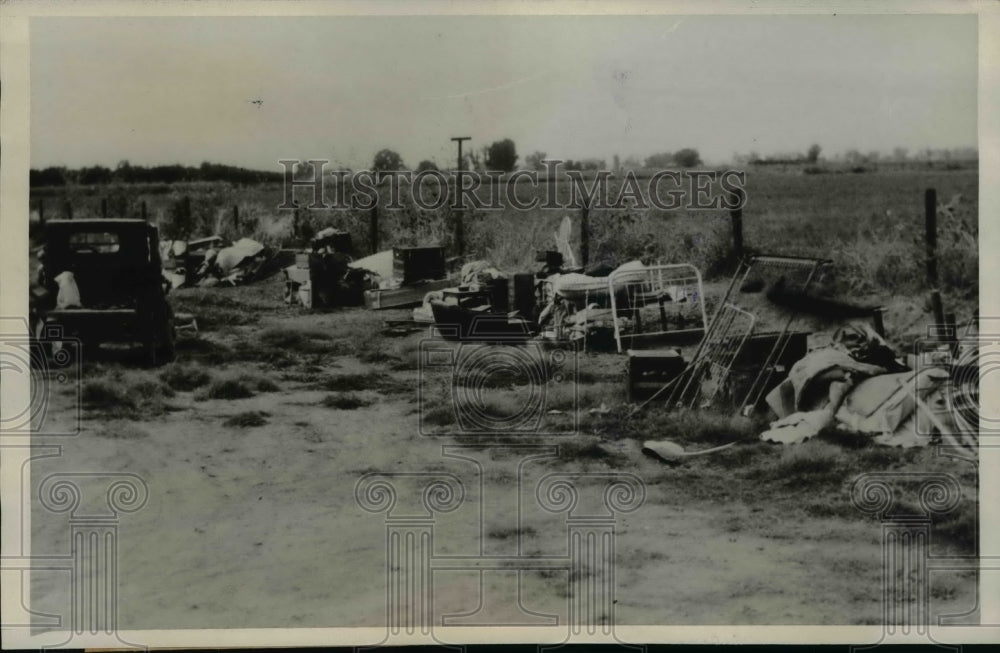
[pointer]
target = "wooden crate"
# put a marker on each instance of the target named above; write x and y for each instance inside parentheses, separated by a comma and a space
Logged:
(650, 369)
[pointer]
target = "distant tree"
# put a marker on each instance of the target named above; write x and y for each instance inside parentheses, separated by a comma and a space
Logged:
(48, 177)
(426, 165)
(501, 155)
(812, 156)
(180, 223)
(687, 157)
(474, 160)
(854, 157)
(170, 174)
(304, 170)
(94, 175)
(631, 163)
(123, 172)
(387, 160)
(534, 160)
(899, 154)
(617, 165)
(661, 160)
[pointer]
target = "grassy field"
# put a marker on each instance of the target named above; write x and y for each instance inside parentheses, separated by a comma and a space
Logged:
(870, 224)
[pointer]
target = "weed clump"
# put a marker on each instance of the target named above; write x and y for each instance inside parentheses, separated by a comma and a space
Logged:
(120, 430)
(346, 401)
(248, 419)
(125, 398)
(377, 381)
(240, 387)
(185, 377)
(229, 389)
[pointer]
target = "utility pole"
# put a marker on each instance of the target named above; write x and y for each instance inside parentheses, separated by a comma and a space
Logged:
(459, 231)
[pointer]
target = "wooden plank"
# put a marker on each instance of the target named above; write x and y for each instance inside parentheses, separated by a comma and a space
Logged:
(404, 296)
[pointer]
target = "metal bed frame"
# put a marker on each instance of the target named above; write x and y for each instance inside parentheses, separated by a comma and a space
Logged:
(678, 283)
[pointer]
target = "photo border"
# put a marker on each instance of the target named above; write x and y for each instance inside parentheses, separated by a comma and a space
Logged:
(14, 133)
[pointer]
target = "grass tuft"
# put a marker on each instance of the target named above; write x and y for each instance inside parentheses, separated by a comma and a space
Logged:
(377, 381)
(229, 389)
(185, 377)
(120, 430)
(247, 419)
(243, 386)
(125, 398)
(346, 401)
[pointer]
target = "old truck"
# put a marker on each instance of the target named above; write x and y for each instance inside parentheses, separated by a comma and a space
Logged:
(114, 290)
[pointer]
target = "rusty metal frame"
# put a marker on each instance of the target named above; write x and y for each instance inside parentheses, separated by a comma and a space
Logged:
(717, 347)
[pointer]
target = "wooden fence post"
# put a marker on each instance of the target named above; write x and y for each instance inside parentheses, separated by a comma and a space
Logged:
(737, 219)
(878, 320)
(585, 234)
(930, 239)
(236, 219)
(930, 235)
(144, 213)
(69, 211)
(104, 208)
(459, 233)
(373, 228)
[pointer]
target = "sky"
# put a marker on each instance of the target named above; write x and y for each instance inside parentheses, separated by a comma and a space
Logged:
(182, 90)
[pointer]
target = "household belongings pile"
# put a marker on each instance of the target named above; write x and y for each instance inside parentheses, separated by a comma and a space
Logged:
(210, 261)
(182, 259)
(575, 302)
(322, 276)
(481, 287)
(402, 276)
(608, 304)
(854, 385)
(477, 309)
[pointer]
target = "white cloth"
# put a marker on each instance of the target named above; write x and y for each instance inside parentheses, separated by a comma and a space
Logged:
(379, 263)
(69, 293)
(229, 258)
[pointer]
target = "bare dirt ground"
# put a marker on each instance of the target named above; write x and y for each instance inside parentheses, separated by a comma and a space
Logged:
(252, 520)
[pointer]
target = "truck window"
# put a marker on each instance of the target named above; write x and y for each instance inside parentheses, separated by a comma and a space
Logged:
(93, 242)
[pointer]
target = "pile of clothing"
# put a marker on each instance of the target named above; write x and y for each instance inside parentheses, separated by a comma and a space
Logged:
(211, 261)
(857, 384)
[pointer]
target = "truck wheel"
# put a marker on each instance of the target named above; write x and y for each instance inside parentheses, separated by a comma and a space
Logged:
(150, 349)
(166, 351)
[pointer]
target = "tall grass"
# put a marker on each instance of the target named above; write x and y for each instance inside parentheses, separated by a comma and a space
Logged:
(870, 225)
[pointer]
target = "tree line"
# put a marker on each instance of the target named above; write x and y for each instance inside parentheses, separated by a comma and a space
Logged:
(498, 156)
(125, 173)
